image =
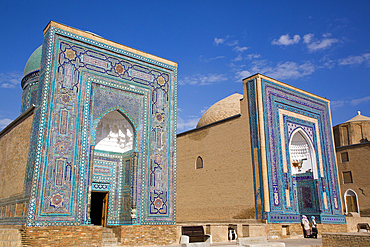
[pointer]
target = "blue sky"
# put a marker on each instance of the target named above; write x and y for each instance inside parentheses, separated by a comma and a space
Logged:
(319, 46)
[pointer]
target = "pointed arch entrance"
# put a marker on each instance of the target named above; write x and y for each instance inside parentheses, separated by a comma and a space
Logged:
(112, 169)
(351, 201)
(304, 172)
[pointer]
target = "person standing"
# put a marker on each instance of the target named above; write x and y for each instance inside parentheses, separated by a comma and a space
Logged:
(314, 227)
(306, 226)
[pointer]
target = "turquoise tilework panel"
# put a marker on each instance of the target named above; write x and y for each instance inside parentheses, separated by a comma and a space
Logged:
(80, 81)
(300, 111)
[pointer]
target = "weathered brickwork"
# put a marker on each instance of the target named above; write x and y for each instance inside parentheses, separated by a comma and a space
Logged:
(13, 158)
(223, 188)
(350, 133)
(134, 235)
(353, 221)
(333, 228)
(146, 235)
(359, 156)
(353, 153)
(62, 236)
(345, 239)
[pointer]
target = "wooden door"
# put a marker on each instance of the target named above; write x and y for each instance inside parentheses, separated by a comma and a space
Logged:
(104, 211)
(351, 204)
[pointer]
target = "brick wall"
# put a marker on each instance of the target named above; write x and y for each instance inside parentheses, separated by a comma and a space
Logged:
(353, 137)
(359, 156)
(275, 231)
(147, 235)
(13, 158)
(345, 239)
(223, 188)
(353, 221)
(62, 236)
(331, 228)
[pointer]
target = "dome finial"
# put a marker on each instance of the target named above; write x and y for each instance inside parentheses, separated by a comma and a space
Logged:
(358, 113)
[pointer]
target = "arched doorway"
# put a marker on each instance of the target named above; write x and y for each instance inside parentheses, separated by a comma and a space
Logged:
(111, 194)
(302, 154)
(304, 172)
(351, 201)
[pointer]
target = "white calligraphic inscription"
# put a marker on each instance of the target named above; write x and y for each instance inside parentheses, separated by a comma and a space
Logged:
(141, 75)
(68, 76)
(96, 62)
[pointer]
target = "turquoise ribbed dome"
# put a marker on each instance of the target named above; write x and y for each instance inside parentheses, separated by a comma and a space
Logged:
(34, 62)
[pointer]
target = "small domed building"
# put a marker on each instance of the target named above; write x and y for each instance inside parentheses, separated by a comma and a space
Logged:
(258, 161)
(30, 79)
(353, 155)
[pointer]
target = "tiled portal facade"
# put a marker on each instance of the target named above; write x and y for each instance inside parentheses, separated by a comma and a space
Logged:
(278, 112)
(84, 78)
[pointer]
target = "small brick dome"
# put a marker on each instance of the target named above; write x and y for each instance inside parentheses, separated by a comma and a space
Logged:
(227, 107)
(358, 118)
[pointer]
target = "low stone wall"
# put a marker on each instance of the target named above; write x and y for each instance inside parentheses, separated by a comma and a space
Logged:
(331, 228)
(346, 239)
(147, 235)
(62, 236)
(219, 231)
(277, 231)
(353, 221)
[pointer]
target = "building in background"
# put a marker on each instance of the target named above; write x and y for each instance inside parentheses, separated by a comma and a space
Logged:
(96, 140)
(265, 155)
(353, 155)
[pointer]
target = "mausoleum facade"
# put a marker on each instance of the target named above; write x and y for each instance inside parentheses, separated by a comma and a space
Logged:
(98, 120)
(265, 155)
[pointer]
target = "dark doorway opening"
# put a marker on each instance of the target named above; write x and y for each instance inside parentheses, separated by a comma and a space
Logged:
(99, 203)
(306, 187)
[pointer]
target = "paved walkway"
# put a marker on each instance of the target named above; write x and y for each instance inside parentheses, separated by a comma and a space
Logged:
(301, 242)
(312, 242)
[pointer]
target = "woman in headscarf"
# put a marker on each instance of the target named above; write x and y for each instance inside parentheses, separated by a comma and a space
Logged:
(306, 226)
(314, 227)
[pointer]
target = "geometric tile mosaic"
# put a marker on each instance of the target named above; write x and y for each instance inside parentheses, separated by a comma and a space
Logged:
(82, 79)
(277, 111)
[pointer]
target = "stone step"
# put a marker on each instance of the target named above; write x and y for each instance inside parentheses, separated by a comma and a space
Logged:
(107, 230)
(10, 237)
(109, 240)
(108, 235)
(4, 243)
(110, 245)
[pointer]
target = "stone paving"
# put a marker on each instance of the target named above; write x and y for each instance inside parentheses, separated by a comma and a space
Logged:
(301, 242)
(312, 242)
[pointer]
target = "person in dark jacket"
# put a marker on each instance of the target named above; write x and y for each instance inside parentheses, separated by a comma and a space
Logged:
(314, 227)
